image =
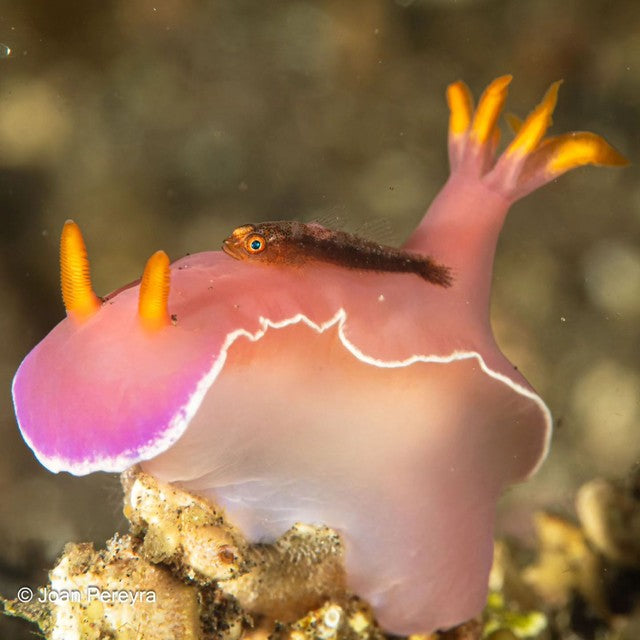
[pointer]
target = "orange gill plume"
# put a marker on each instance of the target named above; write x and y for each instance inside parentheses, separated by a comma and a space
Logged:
(489, 108)
(532, 130)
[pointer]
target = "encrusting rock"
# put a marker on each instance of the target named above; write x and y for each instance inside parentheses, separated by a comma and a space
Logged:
(113, 593)
(302, 569)
(184, 572)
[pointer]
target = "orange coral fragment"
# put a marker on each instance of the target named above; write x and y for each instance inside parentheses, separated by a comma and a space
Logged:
(154, 292)
(78, 296)
(535, 126)
(489, 109)
(460, 104)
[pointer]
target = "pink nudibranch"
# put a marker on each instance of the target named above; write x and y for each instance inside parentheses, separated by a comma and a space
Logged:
(375, 403)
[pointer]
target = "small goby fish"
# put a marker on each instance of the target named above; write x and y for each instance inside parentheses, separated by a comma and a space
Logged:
(291, 242)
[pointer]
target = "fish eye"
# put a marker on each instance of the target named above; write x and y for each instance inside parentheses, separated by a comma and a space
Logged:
(255, 243)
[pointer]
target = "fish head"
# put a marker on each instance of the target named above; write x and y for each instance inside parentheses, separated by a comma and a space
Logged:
(264, 242)
(244, 242)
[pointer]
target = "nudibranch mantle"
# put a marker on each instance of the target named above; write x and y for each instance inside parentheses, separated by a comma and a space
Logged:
(209, 290)
(374, 403)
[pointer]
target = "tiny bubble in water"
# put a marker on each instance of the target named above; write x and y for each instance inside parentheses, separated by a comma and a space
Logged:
(5, 51)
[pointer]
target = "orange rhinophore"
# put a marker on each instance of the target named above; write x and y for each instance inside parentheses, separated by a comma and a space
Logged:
(154, 292)
(78, 296)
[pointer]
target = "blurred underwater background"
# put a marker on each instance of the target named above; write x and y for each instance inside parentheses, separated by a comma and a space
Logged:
(164, 124)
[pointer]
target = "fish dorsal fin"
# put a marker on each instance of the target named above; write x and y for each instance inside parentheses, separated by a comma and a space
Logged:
(332, 218)
(337, 218)
(379, 230)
